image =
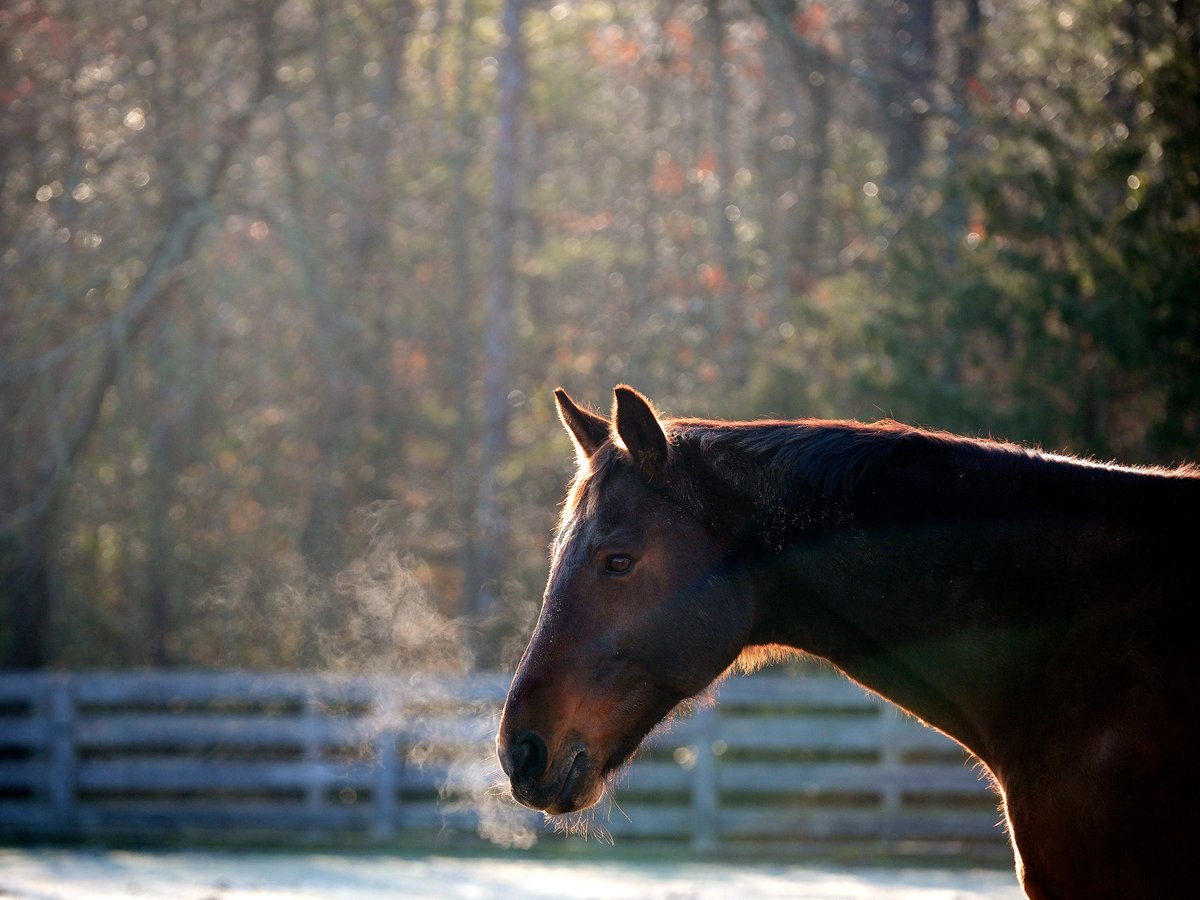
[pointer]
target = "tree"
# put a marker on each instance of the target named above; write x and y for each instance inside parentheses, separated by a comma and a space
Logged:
(490, 535)
(56, 393)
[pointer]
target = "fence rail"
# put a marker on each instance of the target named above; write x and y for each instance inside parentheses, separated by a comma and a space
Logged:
(779, 762)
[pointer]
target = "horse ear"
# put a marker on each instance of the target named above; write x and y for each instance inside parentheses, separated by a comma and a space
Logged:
(588, 430)
(639, 430)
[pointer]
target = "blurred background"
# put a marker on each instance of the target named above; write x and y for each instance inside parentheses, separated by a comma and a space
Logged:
(285, 285)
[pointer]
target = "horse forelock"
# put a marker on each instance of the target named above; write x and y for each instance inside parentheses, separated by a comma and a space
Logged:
(587, 473)
(581, 496)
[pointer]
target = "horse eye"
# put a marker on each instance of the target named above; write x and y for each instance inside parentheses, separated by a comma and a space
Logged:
(618, 564)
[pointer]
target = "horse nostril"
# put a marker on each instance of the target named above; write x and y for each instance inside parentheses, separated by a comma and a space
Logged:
(527, 756)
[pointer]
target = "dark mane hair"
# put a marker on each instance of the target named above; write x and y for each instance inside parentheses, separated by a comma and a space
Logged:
(786, 465)
(832, 456)
(780, 460)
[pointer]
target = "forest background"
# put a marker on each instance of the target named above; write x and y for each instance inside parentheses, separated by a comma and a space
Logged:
(285, 285)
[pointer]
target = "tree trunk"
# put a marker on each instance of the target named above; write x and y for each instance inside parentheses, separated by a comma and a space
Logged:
(643, 275)
(345, 363)
(906, 78)
(26, 602)
(726, 319)
(960, 143)
(460, 335)
(158, 619)
(801, 221)
(488, 569)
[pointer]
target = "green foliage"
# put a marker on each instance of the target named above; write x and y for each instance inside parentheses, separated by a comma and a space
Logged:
(1039, 320)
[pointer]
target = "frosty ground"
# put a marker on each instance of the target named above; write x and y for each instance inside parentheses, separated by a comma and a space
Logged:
(57, 874)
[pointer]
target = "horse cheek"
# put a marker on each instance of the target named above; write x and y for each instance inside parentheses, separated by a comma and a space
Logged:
(698, 633)
(722, 620)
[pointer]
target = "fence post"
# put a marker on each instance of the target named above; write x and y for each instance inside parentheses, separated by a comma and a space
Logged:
(63, 758)
(704, 781)
(891, 771)
(385, 718)
(313, 776)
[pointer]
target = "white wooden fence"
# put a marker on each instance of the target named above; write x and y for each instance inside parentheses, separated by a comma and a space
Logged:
(778, 764)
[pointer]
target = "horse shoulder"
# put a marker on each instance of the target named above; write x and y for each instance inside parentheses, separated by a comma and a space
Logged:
(1099, 812)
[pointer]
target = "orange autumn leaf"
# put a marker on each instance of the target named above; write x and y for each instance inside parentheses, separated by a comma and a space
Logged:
(811, 21)
(714, 278)
(668, 177)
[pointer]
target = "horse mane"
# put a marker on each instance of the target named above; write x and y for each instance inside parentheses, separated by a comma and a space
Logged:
(833, 456)
(830, 457)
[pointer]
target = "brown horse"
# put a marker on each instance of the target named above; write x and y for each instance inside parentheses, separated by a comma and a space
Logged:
(1032, 607)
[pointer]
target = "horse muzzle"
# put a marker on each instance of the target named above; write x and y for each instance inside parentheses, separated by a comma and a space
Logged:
(563, 782)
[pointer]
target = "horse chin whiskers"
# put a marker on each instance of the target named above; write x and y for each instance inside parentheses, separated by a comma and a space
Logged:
(587, 823)
(581, 823)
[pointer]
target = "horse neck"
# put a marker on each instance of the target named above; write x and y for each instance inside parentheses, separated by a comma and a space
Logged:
(952, 578)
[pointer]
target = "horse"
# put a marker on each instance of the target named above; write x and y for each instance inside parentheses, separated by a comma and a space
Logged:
(1035, 608)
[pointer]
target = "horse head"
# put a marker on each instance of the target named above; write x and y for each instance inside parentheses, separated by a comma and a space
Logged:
(638, 613)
